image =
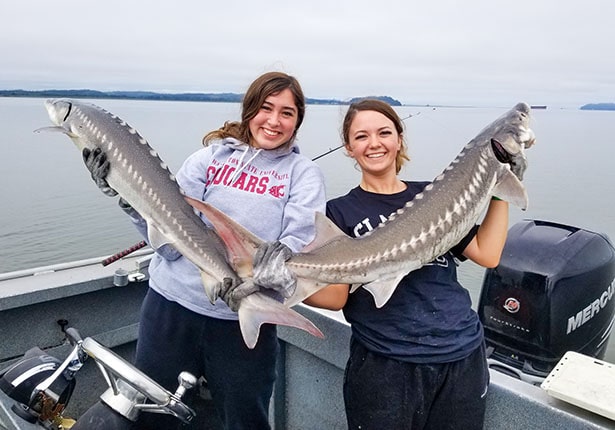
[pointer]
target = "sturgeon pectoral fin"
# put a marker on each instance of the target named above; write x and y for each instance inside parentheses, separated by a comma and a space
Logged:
(510, 188)
(212, 287)
(53, 129)
(258, 309)
(155, 236)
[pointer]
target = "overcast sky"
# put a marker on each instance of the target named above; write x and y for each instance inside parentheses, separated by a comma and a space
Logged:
(483, 52)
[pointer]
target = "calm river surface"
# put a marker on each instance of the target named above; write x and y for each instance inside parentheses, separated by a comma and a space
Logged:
(52, 212)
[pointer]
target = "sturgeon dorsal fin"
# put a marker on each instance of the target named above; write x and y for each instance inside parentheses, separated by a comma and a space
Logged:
(326, 230)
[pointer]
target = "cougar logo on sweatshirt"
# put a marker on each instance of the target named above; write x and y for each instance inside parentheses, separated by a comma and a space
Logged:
(277, 191)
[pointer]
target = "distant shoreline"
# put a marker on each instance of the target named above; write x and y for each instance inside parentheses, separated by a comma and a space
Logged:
(226, 98)
(149, 95)
(598, 106)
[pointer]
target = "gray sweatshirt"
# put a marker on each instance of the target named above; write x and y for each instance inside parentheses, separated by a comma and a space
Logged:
(273, 193)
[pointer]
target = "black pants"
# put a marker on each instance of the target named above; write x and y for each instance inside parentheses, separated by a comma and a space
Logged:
(381, 393)
(172, 339)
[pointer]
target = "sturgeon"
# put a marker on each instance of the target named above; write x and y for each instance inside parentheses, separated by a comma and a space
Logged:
(493, 163)
(140, 176)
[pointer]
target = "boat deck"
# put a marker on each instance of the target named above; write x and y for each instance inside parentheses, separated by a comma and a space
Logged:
(308, 391)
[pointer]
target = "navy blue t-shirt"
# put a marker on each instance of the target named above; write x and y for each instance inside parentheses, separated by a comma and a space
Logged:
(429, 318)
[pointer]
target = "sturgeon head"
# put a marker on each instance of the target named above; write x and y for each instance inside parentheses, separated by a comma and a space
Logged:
(491, 164)
(428, 226)
(139, 175)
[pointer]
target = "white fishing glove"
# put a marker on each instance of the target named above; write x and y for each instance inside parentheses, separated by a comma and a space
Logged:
(98, 165)
(271, 272)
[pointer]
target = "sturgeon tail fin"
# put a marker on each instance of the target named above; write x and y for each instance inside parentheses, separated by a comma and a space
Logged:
(258, 309)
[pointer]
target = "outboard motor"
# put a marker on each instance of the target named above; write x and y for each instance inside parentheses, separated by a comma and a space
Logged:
(551, 293)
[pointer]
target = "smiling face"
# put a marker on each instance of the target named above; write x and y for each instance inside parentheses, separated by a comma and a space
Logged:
(373, 141)
(275, 122)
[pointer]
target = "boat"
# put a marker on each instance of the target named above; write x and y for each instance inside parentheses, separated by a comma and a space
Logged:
(87, 307)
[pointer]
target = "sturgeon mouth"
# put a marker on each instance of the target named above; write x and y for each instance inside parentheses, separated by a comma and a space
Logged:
(517, 162)
(500, 153)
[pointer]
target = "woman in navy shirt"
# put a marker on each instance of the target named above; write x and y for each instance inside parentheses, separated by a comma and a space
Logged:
(419, 361)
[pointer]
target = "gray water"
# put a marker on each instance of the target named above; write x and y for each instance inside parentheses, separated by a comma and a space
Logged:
(53, 213)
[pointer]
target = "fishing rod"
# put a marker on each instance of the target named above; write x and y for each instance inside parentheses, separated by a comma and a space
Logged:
(327, 152)
(123, 253)
(142, 244)
(411, 115)
(342, 145)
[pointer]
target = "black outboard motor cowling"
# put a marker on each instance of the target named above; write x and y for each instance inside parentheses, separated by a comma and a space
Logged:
(551, 293)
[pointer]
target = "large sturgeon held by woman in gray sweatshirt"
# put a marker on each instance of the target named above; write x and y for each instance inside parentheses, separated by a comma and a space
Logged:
(491, 164)
(142, 179)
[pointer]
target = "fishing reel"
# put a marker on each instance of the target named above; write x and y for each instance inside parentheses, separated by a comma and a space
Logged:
(40, 388)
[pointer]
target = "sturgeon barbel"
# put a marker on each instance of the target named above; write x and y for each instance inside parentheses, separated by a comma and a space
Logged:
(428, 226)
(141, 178)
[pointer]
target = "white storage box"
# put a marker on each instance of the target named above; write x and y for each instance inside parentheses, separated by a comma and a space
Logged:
(585, 382)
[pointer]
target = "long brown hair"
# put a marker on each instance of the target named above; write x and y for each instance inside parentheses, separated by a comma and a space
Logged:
(386, 110)
(262, 87)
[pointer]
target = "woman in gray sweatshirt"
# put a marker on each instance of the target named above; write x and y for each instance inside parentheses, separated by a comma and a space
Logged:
(252, 171)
